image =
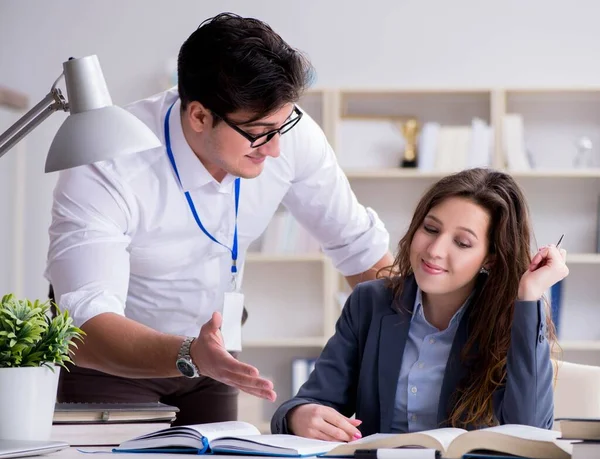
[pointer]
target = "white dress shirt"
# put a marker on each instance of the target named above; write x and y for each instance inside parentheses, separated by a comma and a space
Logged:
(123, 238)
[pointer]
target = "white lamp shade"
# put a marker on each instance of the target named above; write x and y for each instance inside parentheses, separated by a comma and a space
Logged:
(97, 135)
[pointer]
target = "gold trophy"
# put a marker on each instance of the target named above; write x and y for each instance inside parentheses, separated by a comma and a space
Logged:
(410, 131)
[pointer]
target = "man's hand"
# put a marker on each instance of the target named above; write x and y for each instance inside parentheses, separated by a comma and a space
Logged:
(323, 423)
(213, 360)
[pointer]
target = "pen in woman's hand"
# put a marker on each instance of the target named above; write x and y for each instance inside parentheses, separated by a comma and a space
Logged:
(535, 281)
(543, 261)
(559, 241)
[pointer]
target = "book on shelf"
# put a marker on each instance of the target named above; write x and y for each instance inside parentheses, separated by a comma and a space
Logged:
(370, 143)
(285, 235)
(555, 298)
(598, 226)
(243, 438)
(301, 370)
(513, 142)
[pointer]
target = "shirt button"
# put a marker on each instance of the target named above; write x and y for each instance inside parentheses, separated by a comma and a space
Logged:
(431, 340)
(421, 365)
(413, 389)
(413, 418)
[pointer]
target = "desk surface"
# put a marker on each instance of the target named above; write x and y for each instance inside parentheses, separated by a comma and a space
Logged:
(74, 453)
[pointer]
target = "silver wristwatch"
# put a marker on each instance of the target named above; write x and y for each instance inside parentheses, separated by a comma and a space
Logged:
(185, 364)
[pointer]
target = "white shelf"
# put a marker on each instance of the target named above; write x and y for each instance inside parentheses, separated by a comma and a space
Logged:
(572, 258)
(410, 90)
(583, 258)
(580, 345)
(562, 173)
(285, 342)
(391, 173)
(284, 257)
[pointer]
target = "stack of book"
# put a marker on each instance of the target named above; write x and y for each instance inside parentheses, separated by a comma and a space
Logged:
(588, 431)
(105, 424)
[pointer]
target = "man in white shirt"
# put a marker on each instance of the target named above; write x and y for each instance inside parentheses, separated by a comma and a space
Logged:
(145, 249)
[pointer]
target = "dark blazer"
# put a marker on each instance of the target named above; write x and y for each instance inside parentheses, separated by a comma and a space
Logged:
(358, 370)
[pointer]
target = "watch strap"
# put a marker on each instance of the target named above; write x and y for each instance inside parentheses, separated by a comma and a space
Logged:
(184, 352)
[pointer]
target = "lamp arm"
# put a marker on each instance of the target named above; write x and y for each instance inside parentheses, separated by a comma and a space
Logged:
(53, 101)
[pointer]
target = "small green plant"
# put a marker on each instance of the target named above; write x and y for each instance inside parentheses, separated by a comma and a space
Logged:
(31, 337)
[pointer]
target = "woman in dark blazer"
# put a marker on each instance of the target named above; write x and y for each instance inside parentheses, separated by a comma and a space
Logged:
(457, 335)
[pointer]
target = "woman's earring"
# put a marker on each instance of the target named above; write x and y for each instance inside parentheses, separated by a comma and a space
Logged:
(484, 270)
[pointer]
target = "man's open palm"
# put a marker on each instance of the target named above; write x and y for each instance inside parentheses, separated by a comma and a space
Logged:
(213, 360)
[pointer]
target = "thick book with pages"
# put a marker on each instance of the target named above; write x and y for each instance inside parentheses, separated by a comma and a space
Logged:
(580, 428)
(243, 438)
(509, 440)
(113, 412)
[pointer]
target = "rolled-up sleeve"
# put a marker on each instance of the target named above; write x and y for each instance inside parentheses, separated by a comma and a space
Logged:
(321, 199)
(88, 260)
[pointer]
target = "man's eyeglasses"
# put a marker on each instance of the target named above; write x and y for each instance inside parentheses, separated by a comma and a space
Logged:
(259, 140)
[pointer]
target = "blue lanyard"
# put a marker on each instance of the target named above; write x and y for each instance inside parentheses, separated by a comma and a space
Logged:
(234, 248)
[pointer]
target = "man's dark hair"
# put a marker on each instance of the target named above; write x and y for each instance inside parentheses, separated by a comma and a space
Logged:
(231, 63)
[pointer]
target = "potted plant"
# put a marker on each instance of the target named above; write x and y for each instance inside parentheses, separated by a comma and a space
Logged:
(34, 345)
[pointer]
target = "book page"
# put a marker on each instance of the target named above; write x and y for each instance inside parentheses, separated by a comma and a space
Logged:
(525, 432)
(444, 436)
(438, 439)
(511, 439)
(533, 433)
(291, 443)
(224, 429)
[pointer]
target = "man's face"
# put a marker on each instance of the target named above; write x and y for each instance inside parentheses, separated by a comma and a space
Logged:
(222, 149)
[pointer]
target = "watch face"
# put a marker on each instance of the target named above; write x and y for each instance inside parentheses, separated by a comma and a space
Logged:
(185, 368)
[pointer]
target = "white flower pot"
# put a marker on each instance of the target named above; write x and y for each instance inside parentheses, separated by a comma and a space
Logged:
(27, 399)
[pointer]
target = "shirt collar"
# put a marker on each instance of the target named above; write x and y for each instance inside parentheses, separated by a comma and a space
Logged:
(192, 172)
(456, 318)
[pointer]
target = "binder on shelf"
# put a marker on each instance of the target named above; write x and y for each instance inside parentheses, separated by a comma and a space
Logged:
(301, 370)
(598, 226)
(555, 298)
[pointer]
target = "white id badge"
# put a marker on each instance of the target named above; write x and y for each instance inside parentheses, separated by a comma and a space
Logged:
(231, 328)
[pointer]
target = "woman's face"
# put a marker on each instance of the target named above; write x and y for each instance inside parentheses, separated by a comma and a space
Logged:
(450, 247)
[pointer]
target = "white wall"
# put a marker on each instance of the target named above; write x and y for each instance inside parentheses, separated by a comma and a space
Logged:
(375, 43)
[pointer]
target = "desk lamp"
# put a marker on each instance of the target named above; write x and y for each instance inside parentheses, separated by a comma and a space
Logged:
(95, 130)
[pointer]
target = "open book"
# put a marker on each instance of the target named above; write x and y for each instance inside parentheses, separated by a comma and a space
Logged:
(243, 438)
(224, 437)
(513, 439)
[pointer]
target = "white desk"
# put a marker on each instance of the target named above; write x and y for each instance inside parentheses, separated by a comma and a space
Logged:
(73, 453)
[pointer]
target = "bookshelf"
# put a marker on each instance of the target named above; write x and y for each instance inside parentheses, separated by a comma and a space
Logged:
(297, 317)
